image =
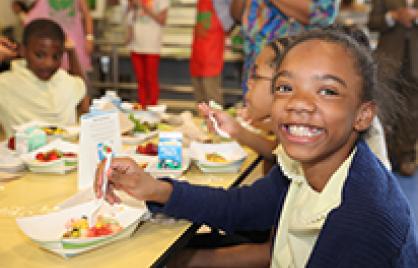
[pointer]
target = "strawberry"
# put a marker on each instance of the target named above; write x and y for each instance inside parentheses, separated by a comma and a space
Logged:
(52, 155)
(141, 149)
(151, 148)
(40, 156)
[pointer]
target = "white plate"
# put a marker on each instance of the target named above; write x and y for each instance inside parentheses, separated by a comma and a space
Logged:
(9, 160)
(59, 166)
(147, 116)
(231, 151)
(47, 230)
(71, 132)
(159, 108)
(233, 168)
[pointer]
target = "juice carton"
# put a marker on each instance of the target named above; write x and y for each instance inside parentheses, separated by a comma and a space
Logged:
(170, 150)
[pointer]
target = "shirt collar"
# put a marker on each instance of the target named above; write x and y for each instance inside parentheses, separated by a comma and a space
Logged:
(20, 66)
(292, 169)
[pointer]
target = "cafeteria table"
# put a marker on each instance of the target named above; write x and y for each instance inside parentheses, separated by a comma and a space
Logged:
(149, 246)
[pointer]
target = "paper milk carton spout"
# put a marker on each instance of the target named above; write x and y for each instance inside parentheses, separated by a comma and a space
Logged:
(170, 150)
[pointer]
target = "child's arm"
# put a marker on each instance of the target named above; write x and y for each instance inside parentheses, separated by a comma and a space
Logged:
(159, 17)
(237, 9)
(88, 26)
(258, 143)
(303, 10)
(83, 106)
(74, 64)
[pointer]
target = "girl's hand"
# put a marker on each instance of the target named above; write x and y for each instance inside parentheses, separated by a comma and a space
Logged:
(126, 175)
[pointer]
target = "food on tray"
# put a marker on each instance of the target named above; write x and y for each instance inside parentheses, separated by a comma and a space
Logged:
(215, 157)
(54, 130)
(142, 126)
(148, 149)
(54, 154)
(79, 228)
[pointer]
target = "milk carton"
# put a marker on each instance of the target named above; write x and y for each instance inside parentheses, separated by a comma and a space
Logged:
(170, 150)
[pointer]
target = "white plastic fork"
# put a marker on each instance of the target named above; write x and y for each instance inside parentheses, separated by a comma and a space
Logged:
(100, 201)
(218, 130)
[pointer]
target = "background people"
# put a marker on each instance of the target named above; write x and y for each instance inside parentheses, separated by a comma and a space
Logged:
(146, 19)
(396, 21)
(264, 21)
(207, 58)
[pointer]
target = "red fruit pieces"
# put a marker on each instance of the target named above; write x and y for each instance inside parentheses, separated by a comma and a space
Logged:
(49, 156)
(99, 231)
(40, 156)
(52, 156)
(148, 149)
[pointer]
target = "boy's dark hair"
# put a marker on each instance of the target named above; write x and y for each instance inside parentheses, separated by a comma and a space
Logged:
(43, 28)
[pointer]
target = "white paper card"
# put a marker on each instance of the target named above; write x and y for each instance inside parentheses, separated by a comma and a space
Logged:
(96, 128)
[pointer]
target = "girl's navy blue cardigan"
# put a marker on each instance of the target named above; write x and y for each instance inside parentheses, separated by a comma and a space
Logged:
(373, 226)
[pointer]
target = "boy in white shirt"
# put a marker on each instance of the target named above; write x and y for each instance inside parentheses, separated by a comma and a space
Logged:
(36, 88)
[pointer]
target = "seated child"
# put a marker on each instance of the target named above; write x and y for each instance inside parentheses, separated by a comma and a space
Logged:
(334, 204)
(258, 101)
(36, 88)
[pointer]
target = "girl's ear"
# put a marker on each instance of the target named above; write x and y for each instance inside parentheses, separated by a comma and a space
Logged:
(365, 115)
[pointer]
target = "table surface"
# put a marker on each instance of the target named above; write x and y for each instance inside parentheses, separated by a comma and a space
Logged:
(40, 193)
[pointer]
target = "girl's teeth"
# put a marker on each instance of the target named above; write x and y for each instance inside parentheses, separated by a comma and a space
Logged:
(303, 131)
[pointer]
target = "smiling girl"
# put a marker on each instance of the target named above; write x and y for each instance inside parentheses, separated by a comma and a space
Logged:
(334, 204)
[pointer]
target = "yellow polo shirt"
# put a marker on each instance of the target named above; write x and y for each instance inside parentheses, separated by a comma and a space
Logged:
(24, 97)
(304, 212)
